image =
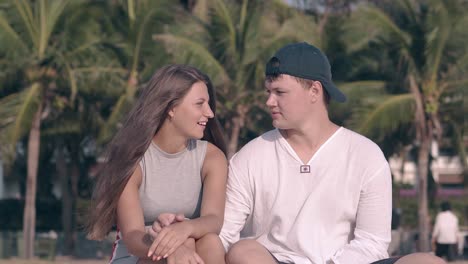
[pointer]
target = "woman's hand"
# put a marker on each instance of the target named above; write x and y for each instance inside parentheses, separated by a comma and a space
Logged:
(185, 254)
(164, 219)
(169, 239)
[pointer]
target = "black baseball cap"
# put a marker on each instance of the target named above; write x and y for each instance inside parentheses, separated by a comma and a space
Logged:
(304, 61)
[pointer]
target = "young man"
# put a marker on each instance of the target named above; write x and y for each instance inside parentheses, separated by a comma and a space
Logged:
(444, 236)
(308, 191)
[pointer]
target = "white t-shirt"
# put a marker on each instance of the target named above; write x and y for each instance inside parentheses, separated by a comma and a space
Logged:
(340, 211)
(446, 228)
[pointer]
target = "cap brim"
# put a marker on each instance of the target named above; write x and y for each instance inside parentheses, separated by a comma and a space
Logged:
(334, 92)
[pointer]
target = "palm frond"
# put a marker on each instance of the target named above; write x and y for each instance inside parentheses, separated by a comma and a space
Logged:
(72, 81)
(28, 20)
(360, 92)
(190, 52)
(83, 47)
(49, 14)
(409, 8)
(367, 23)
(9, 35)
(111, 124)
(460, 85)
(201, 10)
(361, 95)
(436, 41)
(64, 127)
(17, 111)
(140, 33)
(100, 69)
(243, 15)
(131, 10)
(222, 19)
(387, 25)
(299, 28)
(350, 86)
(386, 117)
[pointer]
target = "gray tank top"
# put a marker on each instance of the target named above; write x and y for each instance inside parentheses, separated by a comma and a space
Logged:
(172, 183)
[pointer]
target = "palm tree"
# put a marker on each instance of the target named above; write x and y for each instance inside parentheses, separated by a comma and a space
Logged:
(132, 24)
(42, 42)
(431, 57)
(231, 41)
(72, 132)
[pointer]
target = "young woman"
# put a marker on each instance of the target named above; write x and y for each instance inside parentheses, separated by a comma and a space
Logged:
(169, 157)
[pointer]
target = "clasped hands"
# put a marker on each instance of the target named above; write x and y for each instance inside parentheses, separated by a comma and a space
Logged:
(171, 240)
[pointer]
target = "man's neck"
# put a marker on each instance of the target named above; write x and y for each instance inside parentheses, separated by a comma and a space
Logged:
(309, 138)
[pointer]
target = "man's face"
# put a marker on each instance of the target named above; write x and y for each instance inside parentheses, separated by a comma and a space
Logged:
(288, 101)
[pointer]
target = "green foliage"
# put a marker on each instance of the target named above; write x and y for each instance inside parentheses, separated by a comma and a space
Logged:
(17, 111)
(231, 42)
(418, 34)
(392, 113)
(419, 40)
(46, 43)
(131, 27)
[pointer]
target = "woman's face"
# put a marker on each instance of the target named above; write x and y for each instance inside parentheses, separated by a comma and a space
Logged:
(190, 117)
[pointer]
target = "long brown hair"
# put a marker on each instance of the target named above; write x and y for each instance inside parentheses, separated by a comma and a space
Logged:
(165, 90)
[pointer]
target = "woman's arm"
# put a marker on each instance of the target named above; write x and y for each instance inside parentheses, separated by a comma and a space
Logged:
(214, 175)
(130, 218)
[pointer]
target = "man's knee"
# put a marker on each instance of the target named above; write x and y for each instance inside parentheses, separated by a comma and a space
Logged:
(243, 245)
(420, 258)
(243, 251)
(210, 240)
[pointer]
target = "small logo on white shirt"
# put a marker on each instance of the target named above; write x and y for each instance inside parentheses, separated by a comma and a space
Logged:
(305, 169)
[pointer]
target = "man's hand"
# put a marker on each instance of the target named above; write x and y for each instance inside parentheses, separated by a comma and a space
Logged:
(185, 254)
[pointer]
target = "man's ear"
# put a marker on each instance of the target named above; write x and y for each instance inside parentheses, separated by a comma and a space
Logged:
(315, 91)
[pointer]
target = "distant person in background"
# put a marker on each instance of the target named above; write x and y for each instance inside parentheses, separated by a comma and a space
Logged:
(394, 246)
(444, 236)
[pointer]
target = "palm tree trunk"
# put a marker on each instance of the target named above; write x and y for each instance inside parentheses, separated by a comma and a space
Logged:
(234, 137)
(423, 212)
(423, 136)
(75, 175)
(323, 21)
(237, 123)
(61, 167)
(29, 216)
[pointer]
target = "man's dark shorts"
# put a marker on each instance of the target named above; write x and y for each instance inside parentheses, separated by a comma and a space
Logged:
(382, 261)
(387, 261)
